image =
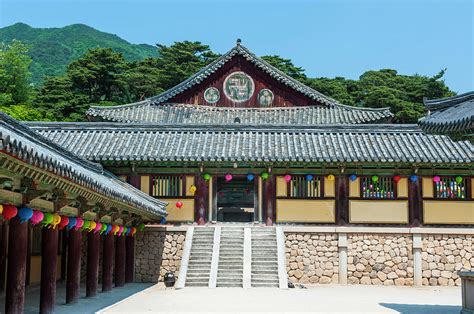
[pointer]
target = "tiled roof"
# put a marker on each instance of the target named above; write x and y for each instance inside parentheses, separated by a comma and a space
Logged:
(450, 115)
(21, 142)
(146, 111)
(150, 110)
(386, 143)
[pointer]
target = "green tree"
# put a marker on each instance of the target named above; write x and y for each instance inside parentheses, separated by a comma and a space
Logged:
(14, 74)
(286, 66)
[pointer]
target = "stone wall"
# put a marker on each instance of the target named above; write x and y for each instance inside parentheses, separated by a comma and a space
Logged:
(312, 258)
(443, 256)
(379, 259)
(156, 253)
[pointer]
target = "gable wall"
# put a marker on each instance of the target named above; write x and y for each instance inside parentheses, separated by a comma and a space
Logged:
(283, 96)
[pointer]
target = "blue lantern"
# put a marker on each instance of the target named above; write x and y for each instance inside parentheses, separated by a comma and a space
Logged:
(250, 177)
(72, 223)
(309, 177)
(25, 214)
(163, 220)
(352, 177)
(413, 178)
(107, 230)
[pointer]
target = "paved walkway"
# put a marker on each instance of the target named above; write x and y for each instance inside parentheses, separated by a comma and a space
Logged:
(330, 298)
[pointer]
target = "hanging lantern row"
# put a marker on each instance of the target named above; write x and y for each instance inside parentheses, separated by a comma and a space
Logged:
(50, 220)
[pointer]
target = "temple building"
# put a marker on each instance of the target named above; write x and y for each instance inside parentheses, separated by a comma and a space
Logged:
(242, 141)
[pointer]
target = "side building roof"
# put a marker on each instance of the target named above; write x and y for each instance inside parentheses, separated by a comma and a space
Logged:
(22, 143)
(116, 143)
(450, 115)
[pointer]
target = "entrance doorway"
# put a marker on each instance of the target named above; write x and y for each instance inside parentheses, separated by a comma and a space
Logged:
(236, 199)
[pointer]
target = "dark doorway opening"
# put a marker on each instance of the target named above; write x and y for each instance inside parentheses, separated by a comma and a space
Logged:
(235, 199)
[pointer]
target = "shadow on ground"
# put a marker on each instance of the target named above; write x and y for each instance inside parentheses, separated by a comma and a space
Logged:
(422, 308)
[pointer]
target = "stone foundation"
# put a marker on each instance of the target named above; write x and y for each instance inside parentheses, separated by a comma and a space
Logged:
(156, 253)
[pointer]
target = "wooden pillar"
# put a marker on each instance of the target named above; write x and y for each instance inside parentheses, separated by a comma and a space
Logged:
(73, 277)
(49, 255)
(93, 248)
(64, 240)
(3, 255)
(201, 200)
(129, 259)
(415, 203)
(120, 261)
(28, 255)
(107, 262)
(17, 250)
(342, 200)
(269, 197)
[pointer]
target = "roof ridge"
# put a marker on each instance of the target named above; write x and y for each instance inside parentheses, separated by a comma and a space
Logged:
(440, 103)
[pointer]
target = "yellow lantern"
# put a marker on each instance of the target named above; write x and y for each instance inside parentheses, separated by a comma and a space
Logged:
(1, 209)
(193, 189)
(331, 177)
(56, 220)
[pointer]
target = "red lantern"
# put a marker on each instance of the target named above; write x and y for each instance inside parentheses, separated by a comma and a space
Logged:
(396, 178)
(179, 204)
(64, 222)
(9, 211)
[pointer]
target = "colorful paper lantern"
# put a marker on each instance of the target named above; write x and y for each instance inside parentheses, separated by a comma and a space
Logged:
(396, 178)
(134, 230)
(287, 178)
(265, 175)
(64, 222)
(86, 225)
(9, 211)
(125, 230)
(375, 179)
(228, 177)
(207, 176)
(352, 177)
(250, 177)
(1, 209)
(115, 229)
(79, 223)
(458, 179)
(193, 189)
(309, 177)
(179, 204)
(331, 177)
(25, 214)
(141, 227)
(413, 178)
(92, 226)
(72, 223)
(436, 179)
(98, 227)
(37, 217)
(47, 219)
(120, 231)
(56, 220)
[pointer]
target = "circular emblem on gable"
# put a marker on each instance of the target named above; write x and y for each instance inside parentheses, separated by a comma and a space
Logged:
(265, 97)
(238, 87)
(212, 95)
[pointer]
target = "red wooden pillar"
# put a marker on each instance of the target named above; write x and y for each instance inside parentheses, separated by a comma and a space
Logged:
(17, 250)
(201, 199)
(129, 259)
(3, 256)
(73, 277)
(107, 262)
(49, 255)
(269, 197)
(415, 203)
(93, 247)
(120, 261)
(342, 200)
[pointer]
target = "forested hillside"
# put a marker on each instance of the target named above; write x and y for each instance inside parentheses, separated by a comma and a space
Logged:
(74, 77)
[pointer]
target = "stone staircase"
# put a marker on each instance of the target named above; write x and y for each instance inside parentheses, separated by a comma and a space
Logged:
(199, 266)
(264, 270)
(231, 262)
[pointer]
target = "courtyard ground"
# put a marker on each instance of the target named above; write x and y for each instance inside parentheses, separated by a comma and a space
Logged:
(321, 298)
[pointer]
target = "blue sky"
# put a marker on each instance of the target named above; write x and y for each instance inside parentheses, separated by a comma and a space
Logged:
(328, 38)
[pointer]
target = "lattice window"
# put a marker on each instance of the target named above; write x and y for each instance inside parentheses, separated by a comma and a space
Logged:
(451, 187)
(378, 187)
(301, 187)
(167, 186)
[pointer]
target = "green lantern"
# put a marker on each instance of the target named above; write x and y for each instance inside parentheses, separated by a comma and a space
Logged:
(86, 225)
(265, 175)
(375, 179)
(141, 227)
(458, 179)
(207, 176)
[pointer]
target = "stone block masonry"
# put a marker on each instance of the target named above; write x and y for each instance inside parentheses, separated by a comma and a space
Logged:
(156, 253)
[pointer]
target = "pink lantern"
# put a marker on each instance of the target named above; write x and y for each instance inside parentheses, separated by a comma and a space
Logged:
(120, 231)
(37, 217)
(287, 178)
(179, 204)
(79, 223)
(98, 226)
(228, 177)
(436, 179)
